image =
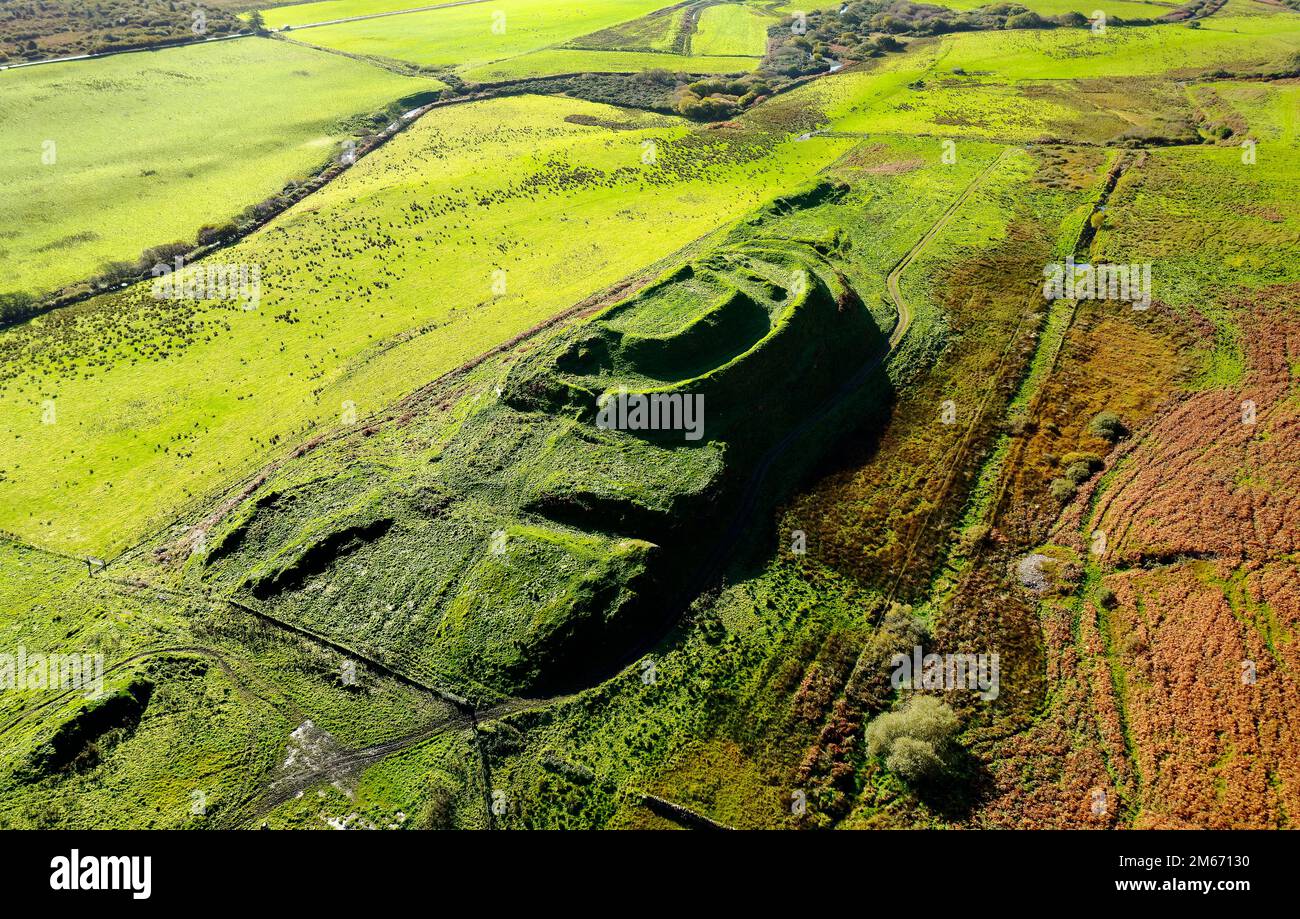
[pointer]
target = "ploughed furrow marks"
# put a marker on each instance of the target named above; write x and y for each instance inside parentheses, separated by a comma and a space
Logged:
(1196, 609)
(1216, 475)
(666, 31)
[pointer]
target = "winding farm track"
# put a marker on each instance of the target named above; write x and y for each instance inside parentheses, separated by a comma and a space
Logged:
(342, 763)
(892, 280)
(712, 570)
(336, 764)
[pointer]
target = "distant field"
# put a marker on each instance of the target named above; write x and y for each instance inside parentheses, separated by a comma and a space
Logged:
(909, 94)
(1197, 215)
(1125, 9)
(149, 147)
(1238, 42)
(564, 60)
(463, 37)
(1271, 112)
(63, 28)
(328, 10)
(730, 28)
(380, 282)
(662, 30)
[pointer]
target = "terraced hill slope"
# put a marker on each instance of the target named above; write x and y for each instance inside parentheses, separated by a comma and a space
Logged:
(541, 541)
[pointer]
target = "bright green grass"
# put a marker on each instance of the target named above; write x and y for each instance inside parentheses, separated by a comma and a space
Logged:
(658, 31)
(730, 29)
(884, 99)
(158, 404)
(329, 10)
(1208, 222)
(1126, 9)
(1239, 43)
(916, 94)
(980, 224)
(206, 729)
(462, 37)
(1213, 228)
(563, 60)
(149, 147)
(1271, 110)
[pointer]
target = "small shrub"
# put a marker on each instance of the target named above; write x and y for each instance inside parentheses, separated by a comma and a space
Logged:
(913, 760)
(1062, 489)
(1078, 473)
(1027, 20)
(1093, 460)
(1107, 425)
(17, 305)
(914, 741)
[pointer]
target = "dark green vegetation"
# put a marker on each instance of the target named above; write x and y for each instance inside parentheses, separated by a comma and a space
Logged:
(533, 547)
(866, 29)
(32, 30)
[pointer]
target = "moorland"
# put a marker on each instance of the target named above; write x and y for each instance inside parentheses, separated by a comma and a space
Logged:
(354, 551)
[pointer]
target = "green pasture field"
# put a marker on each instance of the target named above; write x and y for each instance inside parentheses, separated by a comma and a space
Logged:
(1271, 111)
(1241, 43)
(554, 61)
(1213, 228)
(915, 94)
(463, 37)
(1125, 9)
(657, 31)
(377, 284)
(731, 29)
(149, 147)
(297, 14)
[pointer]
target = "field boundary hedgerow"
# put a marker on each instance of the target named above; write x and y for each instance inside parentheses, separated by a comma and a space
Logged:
(162, 46)
(1052, 339)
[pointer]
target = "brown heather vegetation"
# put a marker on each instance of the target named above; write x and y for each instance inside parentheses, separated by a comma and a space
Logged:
(1046, 765)
(1147, 700)
(1201, 482)
(866, 516)
(1205, 515)
(1212, 749)
(32, 30)
(1113, 359)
